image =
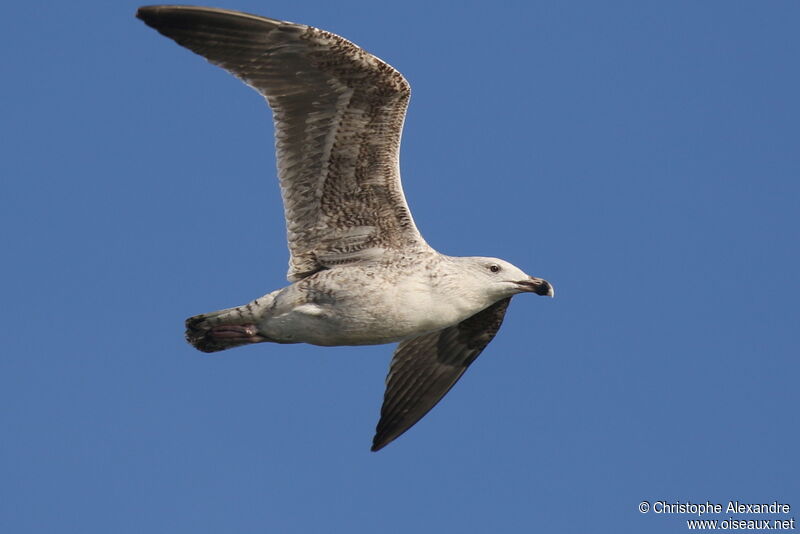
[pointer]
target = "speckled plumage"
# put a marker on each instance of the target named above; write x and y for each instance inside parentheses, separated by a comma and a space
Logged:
(361, 272)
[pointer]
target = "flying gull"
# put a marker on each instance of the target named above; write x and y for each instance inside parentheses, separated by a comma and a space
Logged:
(361, 273)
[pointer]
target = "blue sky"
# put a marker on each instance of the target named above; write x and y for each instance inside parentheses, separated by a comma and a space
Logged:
(642, 156)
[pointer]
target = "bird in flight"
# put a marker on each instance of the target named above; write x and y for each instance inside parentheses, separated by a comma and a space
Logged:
(360, 272)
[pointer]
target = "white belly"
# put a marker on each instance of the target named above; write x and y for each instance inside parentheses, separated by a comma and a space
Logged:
(384, 314)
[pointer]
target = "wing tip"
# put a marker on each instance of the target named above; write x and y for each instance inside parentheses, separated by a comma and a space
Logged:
(144, 12)
(386, 433)
(380, 441)
(154, 16)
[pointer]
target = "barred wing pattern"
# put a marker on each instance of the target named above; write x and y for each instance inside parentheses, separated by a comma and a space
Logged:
(338, 115)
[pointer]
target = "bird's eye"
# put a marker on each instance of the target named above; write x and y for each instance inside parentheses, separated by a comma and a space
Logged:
(494, 268)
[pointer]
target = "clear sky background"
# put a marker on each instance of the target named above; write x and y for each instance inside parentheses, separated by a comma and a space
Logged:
(642, 156)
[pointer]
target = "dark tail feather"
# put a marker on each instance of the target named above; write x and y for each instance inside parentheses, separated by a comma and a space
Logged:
(224, 329)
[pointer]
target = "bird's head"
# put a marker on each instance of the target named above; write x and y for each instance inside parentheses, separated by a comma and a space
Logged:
(505, 280)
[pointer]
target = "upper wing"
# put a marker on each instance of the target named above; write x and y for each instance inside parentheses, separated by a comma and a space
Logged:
(338, 114)
(424, 368)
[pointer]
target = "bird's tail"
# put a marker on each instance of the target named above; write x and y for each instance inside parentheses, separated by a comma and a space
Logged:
(225, 329)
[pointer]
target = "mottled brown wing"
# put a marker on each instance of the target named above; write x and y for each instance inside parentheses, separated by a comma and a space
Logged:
(338, 114)
(424, 368)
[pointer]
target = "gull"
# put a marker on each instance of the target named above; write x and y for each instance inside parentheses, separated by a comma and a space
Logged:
(360, 272)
